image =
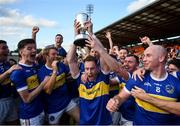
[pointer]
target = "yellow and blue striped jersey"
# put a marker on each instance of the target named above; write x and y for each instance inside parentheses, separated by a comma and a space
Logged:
(59, 97)
(94, 96)
(26, 79)
(5, 86)
(167, 88)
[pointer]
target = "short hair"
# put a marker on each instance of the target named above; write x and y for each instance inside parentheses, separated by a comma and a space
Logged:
(59, 35)
(136, 57)
(90, 58)
(175, 62)
(124, 49)
(48, 48)
(25, 42)
(3, 42)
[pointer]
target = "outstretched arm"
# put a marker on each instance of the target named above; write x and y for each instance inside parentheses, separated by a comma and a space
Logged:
(7, 73)
(93, 42)
(114, 103)
(71, 55)
(73, 62)
(35, 30)
(104, 67)
(108, 36)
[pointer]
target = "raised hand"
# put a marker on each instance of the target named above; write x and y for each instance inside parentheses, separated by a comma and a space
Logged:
(54, 65)
(35, 30)
(77, 27)
(108, 35)
(89, 27)
(140, 73)
(94, 43)
(146, 40)
(116, 50)
(14, 67)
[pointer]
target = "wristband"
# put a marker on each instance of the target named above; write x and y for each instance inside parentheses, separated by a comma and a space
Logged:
(54, 72)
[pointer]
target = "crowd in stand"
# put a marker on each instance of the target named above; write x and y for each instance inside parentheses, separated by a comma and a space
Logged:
(93, 85)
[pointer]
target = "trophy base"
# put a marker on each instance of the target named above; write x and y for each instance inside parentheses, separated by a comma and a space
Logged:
(80, 40)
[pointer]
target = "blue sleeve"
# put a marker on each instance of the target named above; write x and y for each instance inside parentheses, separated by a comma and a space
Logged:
(2, 70)
(41, 75)
(19, 80)
(81, 67)
(120, 79)
(178, 75)
(65, 68)
(177, 87)
(131, 83)
(105, 77)
(62, 52)
(78, 81)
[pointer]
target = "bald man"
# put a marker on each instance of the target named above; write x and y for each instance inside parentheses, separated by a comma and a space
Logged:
(156, 83)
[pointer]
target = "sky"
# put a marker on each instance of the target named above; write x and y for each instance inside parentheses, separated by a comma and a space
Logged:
(17, 17)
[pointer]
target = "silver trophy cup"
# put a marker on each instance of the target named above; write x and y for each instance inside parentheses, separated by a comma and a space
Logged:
(82, 36)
